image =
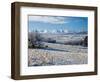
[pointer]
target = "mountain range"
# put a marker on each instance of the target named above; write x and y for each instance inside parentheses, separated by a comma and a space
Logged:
(60, 32)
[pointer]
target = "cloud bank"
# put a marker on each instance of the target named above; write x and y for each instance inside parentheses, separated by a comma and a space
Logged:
(48, 19)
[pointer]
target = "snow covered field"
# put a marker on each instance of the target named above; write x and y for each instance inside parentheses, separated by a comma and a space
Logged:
(59, 52)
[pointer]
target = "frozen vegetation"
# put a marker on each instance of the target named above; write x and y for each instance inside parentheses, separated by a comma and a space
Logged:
(57, 49)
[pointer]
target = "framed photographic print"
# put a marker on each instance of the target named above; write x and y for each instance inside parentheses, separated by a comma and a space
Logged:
(51, 40)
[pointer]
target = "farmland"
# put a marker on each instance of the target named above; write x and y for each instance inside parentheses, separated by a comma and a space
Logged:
(59, 49)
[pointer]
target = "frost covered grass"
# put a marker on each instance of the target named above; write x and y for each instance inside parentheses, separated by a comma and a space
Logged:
(73, 55)
(58, 53)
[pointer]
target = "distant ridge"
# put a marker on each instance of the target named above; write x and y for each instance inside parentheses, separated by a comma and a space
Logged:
(60, 32)
(53, 31)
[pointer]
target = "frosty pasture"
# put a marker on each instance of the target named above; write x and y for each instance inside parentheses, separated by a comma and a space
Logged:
(59, 49)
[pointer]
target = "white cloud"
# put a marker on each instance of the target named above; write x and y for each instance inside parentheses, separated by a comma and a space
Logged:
(48, 19)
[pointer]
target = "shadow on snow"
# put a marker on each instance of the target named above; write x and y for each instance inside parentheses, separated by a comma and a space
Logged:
(52, 49)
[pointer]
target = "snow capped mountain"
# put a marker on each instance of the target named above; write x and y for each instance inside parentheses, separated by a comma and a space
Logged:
(52, 31)
(60, 31)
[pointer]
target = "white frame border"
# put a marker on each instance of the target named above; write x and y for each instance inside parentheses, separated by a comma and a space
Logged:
(25, 70)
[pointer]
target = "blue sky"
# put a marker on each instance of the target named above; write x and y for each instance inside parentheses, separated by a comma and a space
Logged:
(50, 23)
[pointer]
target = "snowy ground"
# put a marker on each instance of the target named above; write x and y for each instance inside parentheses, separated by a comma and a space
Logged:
(59, 54)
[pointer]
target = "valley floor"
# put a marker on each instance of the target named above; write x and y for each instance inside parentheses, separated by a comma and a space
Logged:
(57, 54)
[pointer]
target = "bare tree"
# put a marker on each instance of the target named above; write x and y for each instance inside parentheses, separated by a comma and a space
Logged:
(34, 40)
